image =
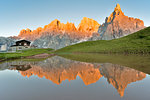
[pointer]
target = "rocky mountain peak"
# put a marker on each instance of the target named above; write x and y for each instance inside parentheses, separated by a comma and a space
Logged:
(54, 24)
(24, 33)
(118, 8)
(117, 12)
(69, 27)
(88, 25)
(118, 25)
(28, 30)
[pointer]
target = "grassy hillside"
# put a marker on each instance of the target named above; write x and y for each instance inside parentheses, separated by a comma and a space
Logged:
(138, 42)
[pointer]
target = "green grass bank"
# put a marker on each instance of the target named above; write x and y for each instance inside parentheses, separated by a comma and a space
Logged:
(136, 43)
(23, 53)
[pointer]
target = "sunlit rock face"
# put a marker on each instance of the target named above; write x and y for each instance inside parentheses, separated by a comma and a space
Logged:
(25, 33)
(85, 29)
(58, 35)
(54, 28)
(120, 76)
(88, 25)
(118, 25)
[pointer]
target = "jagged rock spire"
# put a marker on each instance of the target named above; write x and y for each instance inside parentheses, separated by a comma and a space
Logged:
(118, 25)
(118, 10)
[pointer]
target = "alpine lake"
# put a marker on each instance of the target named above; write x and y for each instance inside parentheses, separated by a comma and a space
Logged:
(76, 77)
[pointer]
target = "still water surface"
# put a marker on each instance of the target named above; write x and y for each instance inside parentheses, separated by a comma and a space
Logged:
(59, 78)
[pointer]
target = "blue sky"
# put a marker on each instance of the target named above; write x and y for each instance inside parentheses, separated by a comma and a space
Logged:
(21, 14)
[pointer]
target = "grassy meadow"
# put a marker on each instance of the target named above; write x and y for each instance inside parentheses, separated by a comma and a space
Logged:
(23, 53)
(136, 43)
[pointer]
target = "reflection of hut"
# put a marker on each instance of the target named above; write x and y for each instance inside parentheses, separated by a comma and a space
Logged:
(3, 47)
(20, 45)
(20, 67)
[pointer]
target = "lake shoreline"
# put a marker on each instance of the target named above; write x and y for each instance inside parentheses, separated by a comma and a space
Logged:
(31, 53)
(46, 55)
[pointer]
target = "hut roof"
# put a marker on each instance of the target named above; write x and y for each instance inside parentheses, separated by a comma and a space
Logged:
(23, 41)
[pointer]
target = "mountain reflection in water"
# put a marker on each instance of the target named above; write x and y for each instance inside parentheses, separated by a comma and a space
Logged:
(58, 69)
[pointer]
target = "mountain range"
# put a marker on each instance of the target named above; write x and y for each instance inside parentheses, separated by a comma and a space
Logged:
(85, 29)
(58, 35)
